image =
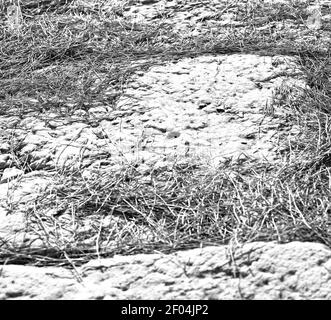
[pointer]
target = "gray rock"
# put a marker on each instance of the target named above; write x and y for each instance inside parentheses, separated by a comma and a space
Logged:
(29, 148)
(80, 113)
(253, 271)
(10, 174)
(4, 147)
(98, 111)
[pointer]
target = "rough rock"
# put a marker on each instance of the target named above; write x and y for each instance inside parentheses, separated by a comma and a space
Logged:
(254, 271)
(211, 106)
(10, 174)
(16, 197)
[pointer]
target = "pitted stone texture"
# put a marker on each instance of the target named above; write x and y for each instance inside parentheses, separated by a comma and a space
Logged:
(186, 13)
(253, 271)
(211, 107)
(16, 197)
(218, 17)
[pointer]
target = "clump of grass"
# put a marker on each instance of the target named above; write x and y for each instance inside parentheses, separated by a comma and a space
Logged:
(69, 53)
(184, 206)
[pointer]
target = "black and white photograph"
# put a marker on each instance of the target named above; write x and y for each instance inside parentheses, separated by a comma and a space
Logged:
(165, 154)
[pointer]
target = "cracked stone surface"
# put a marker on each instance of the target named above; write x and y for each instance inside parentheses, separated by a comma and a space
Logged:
(254, 271)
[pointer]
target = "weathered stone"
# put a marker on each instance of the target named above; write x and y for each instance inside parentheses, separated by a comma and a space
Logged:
(98, 111)
(10, 174)
(314, 20)
(30, 147)
(4, 147)
(39, 138)
(252, 271)
(80, 113)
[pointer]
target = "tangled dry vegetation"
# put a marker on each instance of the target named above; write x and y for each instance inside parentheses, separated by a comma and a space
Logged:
(63, 55)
